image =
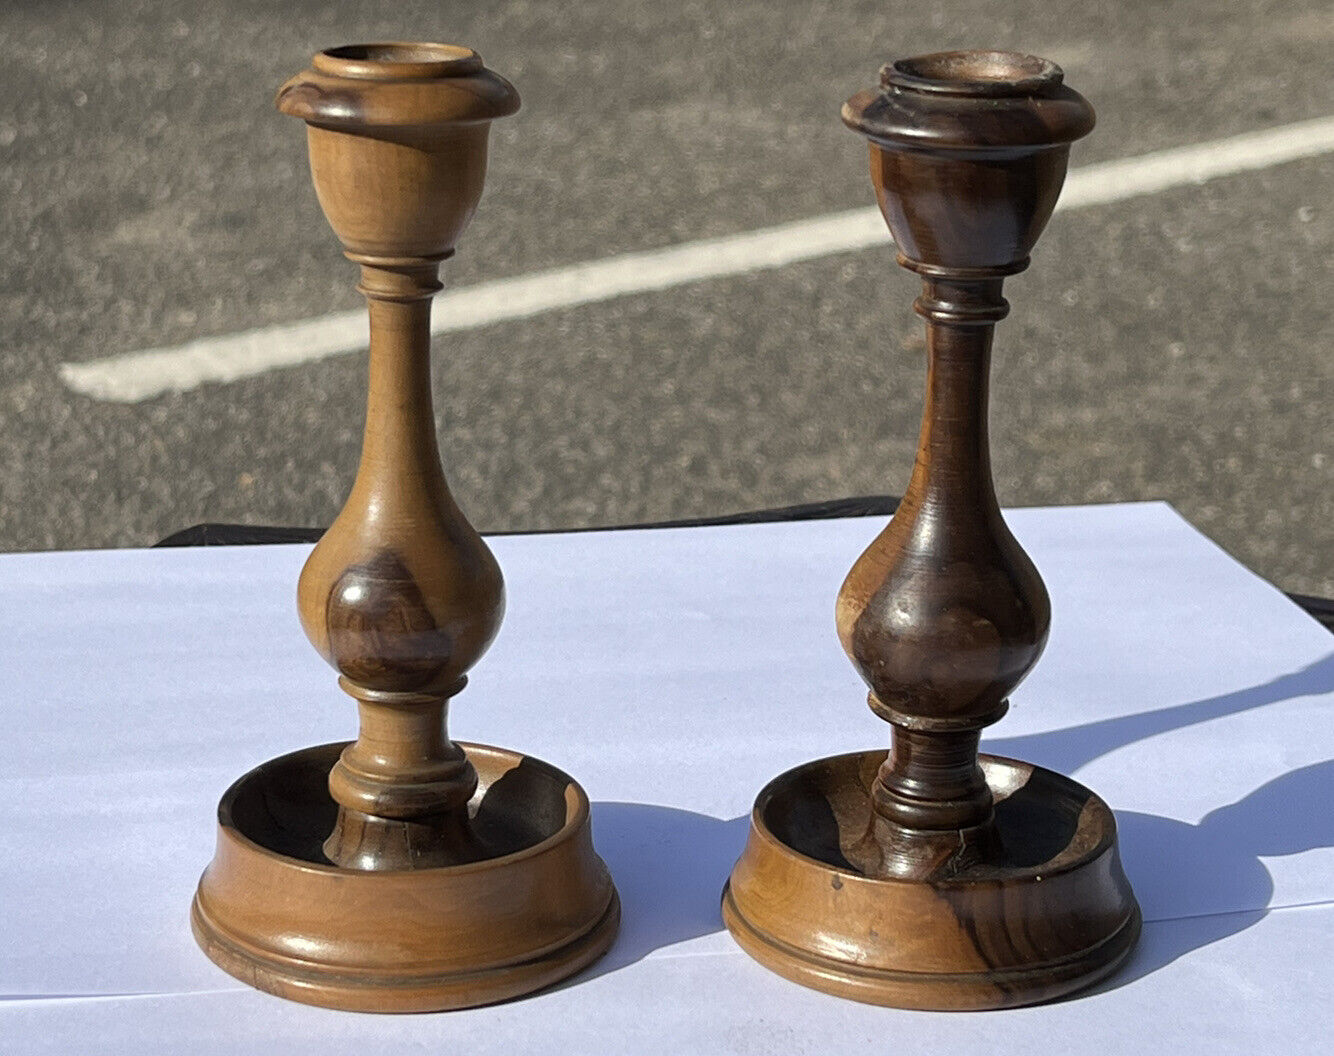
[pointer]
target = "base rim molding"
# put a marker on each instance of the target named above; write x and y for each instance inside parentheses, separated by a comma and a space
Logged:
(270, 912)
(383, 992)
(998, 934)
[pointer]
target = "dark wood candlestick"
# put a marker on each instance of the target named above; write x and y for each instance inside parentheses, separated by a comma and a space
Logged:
(404, 871)
(933, 877)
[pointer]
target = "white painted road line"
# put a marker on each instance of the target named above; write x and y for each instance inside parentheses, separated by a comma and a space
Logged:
(137, 376)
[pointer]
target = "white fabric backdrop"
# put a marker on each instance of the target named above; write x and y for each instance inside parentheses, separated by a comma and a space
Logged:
(673, 672)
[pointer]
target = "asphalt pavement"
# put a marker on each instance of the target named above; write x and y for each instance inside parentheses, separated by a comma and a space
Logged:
(1177, 345)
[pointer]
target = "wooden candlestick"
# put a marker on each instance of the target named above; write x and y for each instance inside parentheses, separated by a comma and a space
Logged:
(933, 877)
(404, 871)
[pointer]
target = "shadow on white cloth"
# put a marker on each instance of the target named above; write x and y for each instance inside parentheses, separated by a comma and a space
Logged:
(1220, 861)
(670, 865)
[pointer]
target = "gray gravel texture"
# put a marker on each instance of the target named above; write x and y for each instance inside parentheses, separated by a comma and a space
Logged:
(1175, 346)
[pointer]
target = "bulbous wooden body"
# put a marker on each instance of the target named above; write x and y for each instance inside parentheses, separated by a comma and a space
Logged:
(944, 614)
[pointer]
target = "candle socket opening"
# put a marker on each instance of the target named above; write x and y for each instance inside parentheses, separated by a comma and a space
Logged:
(989, 73)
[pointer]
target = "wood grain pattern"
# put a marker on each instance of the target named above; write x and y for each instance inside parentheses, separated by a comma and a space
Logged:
(274, 912)
(944, 615)
(396, 878)
(401, 595)
(1047, 910)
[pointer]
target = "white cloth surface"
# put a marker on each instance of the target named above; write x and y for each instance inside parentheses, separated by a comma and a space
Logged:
(673, 672)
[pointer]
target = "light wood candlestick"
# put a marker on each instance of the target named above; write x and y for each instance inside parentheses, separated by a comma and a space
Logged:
(403, 871)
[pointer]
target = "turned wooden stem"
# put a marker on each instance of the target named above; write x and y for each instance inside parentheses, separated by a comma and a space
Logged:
(403, 764)
(403, 786)
(401, 595)
(399, 443)
(945, 614)
(931, 779)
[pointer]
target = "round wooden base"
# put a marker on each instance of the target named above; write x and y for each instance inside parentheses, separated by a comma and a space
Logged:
(1047, 911)
(272, 911)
